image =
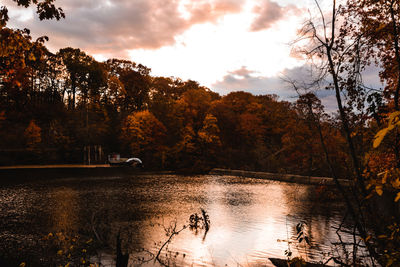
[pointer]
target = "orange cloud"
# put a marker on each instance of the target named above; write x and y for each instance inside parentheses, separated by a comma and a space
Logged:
(209, 11)
(269, 13)
(115, 26)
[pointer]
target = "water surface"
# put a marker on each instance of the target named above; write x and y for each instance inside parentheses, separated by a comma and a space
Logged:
(251, 219)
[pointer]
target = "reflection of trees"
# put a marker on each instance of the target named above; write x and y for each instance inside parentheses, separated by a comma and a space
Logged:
(320, 214)
(247, 216)
(107, 207)
(63, 210)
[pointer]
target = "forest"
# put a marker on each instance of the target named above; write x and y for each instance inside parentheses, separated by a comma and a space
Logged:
(54, 107)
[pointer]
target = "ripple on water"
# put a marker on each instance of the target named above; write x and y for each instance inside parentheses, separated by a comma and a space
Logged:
(248, 216)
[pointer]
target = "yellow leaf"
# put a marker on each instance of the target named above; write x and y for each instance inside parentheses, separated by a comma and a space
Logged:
(396, 183)
(23, 264)
(379, 137)
(59, 252)
(379, 190)
(393, 121)
(368, 186)
(384, 178)
(32, 57)
(381, 26)
(393, 116)
(369, 196)
(397, 197)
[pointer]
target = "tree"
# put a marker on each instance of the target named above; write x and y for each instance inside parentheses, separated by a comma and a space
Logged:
(114, 93)
(33, 136)
(192, 107)
(15, 44)
(344, 48)
(144, 135)
(377, 24)
(44, 9)
(209, 139)
(136, 81)
(77, 64)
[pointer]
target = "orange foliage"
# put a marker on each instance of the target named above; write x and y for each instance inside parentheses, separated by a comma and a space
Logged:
(32, 135)
(142, 131)
(209, 133)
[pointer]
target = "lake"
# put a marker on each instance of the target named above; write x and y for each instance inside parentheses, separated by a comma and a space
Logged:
(250, 219)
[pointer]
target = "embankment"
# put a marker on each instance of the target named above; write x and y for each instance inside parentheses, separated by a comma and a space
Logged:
(291, 178)
(18, 174)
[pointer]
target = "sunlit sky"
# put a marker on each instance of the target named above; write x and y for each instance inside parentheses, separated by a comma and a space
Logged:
(226, 45)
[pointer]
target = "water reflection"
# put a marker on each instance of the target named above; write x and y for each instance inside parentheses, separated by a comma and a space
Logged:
(63, 203)
(248, 216)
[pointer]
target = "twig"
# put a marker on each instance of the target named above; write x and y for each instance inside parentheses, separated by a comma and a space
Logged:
(172, 234)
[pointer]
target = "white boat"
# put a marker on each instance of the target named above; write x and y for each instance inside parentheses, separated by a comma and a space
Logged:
(116, 160)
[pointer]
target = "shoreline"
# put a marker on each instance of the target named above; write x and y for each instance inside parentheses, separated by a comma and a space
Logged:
(56, 166)
(30, 173)
(290, 178)
(21, 173)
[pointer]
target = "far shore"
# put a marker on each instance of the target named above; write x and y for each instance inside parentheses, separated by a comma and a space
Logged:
(31, 173)
(283, 177)
(56, 166)
(22, 173)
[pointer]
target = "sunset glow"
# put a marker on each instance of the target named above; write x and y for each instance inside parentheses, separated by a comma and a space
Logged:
(204, 41)
(199, 133)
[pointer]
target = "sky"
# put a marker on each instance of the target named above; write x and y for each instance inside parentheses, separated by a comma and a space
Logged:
(226, 45)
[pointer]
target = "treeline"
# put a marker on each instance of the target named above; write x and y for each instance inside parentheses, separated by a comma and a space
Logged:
(54, 106)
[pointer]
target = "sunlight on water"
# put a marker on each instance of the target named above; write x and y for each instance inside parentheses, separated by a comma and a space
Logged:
(248, 219)
(251, 220)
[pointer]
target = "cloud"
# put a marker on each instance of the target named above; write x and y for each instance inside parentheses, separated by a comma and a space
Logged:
(209, 11)
(371, 77)
(269, 13)
(243, 79)
(247, 80)
(115, 26)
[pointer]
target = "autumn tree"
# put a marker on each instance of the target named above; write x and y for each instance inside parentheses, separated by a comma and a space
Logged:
(114, 92)
(164, 92)
(301, 150)
(344, 45)
(77, 64)
(136, 81)
(377, 24)
(210, 140)
(251, 129)
(15, 45)
(143, 134)
(33, 136)
(44, 9)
